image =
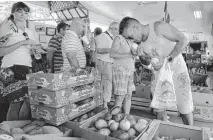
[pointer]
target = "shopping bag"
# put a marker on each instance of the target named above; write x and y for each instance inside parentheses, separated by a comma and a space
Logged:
(164, 93)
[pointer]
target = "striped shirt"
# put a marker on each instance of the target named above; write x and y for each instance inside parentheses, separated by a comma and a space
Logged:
(71, 42)
(55, 45)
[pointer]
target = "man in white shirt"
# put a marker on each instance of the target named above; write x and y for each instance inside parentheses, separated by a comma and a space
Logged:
(103, 44)
(72, 50)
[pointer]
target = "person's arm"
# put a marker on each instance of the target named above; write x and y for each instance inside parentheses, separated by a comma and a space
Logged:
(4, 50)
(173, 34)
(69, 48)
(71, 56)
(52, 47)
(116, 45)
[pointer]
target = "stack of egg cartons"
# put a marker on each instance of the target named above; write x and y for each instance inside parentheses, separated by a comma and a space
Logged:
(58, 98)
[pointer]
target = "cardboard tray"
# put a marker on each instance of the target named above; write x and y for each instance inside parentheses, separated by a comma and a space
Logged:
(88, 123)
(99, 111)
(171, 129)
(58, 99)
(58, 116)
(60, 81)
(20, 124)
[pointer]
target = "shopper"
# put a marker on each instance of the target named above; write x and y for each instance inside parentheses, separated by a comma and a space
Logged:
(123, 68)
(93, 54)
(54, 54)
(163, 41)
(16, 63)
(72, 50)
(103, 44)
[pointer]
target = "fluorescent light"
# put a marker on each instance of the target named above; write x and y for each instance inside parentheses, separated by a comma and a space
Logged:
(197, 14)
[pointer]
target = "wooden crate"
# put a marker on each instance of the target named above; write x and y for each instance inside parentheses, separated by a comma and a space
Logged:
(172, 129)
(88, 123)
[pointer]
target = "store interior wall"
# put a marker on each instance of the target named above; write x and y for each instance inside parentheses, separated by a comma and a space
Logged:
(32, 27)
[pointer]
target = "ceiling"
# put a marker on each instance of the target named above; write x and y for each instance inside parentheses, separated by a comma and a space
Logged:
(181, 12)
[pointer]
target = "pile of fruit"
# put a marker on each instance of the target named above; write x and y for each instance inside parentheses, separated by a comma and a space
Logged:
(120, 126)
(36, 128)
(202, 89)
(84, 117)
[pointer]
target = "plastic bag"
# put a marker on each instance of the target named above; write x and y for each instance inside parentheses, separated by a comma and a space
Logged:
(164, 95)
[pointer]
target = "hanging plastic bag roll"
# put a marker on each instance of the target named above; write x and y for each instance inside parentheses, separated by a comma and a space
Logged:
(164, 94)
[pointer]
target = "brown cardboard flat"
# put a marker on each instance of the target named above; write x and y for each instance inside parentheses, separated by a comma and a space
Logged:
(58, 116)
(60, 80)
(83, 133)
(49, 137)
(58, 99)
(171, 129)
(99, 111)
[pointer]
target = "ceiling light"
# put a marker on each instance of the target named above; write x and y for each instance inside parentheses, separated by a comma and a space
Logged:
(197, 14)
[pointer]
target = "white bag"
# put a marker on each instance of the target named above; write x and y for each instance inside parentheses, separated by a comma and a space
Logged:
(164, 95)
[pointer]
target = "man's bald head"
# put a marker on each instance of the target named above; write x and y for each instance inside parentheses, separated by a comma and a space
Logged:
(78, 26)
(113, 28)
(78, 21)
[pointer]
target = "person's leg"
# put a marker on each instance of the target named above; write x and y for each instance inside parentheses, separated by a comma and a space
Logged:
(187, 118)
(184, 97)
(107, 78)
(13, 111)
(24, 113)
(128, 97)
(100, 74)
(119, 84)
(119, 100)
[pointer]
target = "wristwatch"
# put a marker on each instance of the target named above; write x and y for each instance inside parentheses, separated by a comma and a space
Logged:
(169, 58)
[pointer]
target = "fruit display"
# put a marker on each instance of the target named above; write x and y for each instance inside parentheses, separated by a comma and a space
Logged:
(202, 89)
(35, 128)
(60, 81)
(118, 125)
(84, 117)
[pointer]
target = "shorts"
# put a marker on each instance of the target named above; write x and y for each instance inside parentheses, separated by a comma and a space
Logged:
(122, 79)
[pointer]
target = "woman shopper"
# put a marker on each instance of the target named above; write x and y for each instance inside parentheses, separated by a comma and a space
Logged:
(16, 63)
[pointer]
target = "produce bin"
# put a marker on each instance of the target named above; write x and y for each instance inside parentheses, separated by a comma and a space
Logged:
(58, 116)
(60, 81)
(87, 124)
(59, 136)
(58, 99)
(177, 131)
(99, 111)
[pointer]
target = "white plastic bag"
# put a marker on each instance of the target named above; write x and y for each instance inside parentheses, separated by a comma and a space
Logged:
(164, 95)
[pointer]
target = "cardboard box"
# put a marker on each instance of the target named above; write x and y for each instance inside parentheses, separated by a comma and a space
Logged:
(99, 111)
(58, 99)
(88, 123)
(57, 116)
(20, 124)
(172, 129)
(203, 113)
(61, 80)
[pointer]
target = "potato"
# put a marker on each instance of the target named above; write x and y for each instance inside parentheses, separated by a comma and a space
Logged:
(124, 136)
(132, 132)
(101, 123)
(118, 117)
(104, 131)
